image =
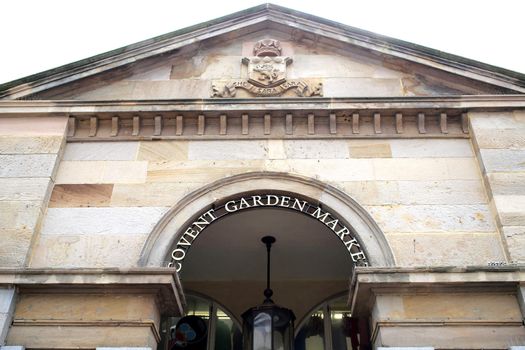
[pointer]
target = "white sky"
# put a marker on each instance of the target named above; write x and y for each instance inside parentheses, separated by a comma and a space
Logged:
(40, 35)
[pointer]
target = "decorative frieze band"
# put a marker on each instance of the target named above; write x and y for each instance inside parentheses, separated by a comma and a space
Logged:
(298, 124)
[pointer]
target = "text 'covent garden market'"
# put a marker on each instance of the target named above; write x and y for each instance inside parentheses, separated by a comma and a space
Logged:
(269, 180)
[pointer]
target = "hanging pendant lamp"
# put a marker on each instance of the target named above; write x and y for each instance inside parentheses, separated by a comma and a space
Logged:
(268, 326)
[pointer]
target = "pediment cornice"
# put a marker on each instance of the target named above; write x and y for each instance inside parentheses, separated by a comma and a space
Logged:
(266, 118)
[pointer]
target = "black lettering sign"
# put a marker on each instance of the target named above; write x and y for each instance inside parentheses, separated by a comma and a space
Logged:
(269, 200)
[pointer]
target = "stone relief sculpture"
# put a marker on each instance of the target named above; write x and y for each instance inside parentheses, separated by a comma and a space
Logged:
(267, 75)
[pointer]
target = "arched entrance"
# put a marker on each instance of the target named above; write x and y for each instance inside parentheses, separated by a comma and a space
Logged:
(275, 204)
(171, 227)
(228, 261)
(213, 238)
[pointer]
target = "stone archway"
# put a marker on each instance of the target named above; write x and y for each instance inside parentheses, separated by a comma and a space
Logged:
(170, 228)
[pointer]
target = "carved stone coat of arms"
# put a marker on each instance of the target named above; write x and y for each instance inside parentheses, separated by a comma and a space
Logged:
(266, 75)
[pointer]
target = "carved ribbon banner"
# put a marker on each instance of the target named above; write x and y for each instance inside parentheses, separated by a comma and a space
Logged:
(301, 89)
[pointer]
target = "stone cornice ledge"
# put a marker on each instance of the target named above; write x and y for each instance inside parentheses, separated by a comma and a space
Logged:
(366, 280)
(164, 280)
(10, 107)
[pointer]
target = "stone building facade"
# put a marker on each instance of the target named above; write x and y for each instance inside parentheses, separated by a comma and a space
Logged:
(135, 186)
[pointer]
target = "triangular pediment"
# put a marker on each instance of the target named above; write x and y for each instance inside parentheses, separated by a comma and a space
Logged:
(327, 58)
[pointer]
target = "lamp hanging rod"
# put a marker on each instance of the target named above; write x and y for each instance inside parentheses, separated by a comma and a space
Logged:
(268, 241)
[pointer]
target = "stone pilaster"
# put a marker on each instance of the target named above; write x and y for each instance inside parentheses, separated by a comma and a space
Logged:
(7, 307)
(30, 150)
(499, 142)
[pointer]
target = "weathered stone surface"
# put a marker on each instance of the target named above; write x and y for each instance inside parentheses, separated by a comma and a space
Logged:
(207, 66)
(14, 247)
(496, 120)
(503, 160)
(167, 89)
(325, 169)
(30, 165)
(23, 189)
(450, 249)
(440, 306)
(64, 196)
(84, 336)
(316, 149)
(511, 209)
(30, 145)
(151, 194)
(330, 65)
(217, 150)
(361, 87)
(101, 220)
(158, 72)
(442, 192)
(19, 214)
(416, 192)
(369, 149)
(501, 138)
(371, 192)
(515, 236)
(113, 250)
(83, 307)
(433, 218)
(426, 169)
(439, 335)
(63, 251)
(507, 183)
(101, 151)
(33, 126)
(100, 172)
(431, 148)
(163, 150)
(276, 149)
(200, 170)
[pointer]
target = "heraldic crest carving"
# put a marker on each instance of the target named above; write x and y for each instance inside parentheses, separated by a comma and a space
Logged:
(267, 75)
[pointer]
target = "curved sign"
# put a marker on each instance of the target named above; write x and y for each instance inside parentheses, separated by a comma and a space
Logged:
(267, 200)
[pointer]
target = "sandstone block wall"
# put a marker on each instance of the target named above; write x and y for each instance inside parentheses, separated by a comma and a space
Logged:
(30, 150)
(499, 140)
(426, 194)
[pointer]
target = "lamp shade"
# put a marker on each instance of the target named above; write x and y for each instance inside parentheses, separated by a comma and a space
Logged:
(268, 327)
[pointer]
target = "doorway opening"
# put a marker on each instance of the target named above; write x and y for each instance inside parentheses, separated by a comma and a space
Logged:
(310, 264)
